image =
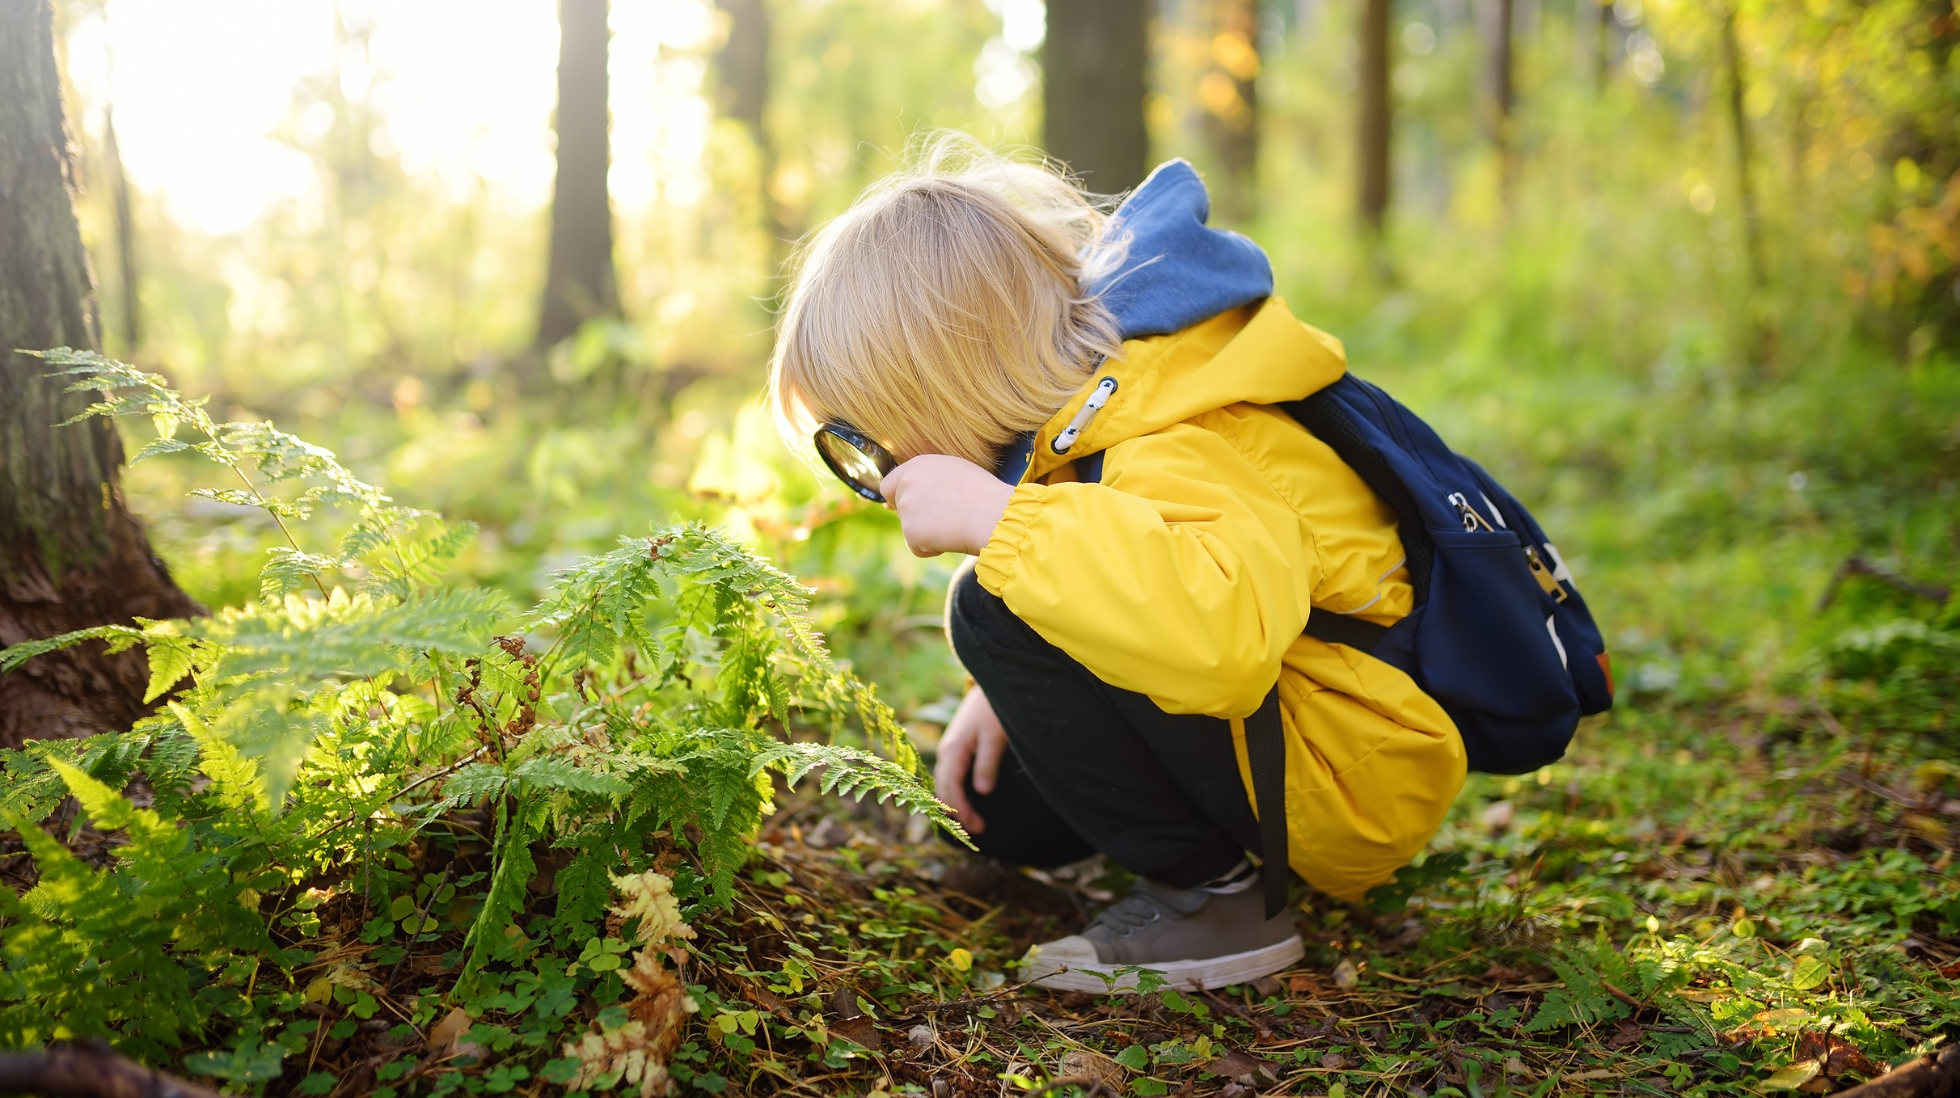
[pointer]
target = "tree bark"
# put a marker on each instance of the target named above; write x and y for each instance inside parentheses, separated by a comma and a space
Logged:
(71, 554)
(1376, 118)
(1093, 65)
(580, 283)
(1502, 100)
(1229, 91)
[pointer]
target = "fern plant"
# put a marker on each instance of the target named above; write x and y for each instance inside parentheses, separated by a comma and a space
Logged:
(308, 739)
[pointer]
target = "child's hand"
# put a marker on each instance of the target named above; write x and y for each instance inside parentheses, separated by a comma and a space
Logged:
(945, 504)
(974, 739)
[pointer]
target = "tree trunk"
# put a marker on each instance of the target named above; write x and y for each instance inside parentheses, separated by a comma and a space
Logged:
(1093, 65)
(1744, 178)
(1376, 118)
(71, 554)
(1229, 91)
(742, 76)
(1502, 101)
(579, 283)
(1589, 29)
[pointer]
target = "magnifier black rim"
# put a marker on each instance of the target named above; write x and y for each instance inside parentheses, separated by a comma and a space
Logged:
(879, 456)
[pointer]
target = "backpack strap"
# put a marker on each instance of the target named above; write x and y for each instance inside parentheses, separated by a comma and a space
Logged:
(1265, 752)
(1363, 636)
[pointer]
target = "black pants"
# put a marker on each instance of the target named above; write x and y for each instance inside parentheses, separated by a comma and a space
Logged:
(1093, 768)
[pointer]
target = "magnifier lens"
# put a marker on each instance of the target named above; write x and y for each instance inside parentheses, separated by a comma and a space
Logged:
(863, 469)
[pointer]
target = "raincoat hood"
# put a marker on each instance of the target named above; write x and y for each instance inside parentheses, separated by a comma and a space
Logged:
(1178, 271)
(1201, 330)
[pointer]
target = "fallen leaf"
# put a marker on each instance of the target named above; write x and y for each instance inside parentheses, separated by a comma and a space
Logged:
(1241, 1066)
(860, 1031)
(1837, 1055)
(1084, 1063)
(445, 1033)
(1333, 1061)
(1629, 1033)
(1498, 815)
(1303, 985)
(1794, 1076)
(1346, 975)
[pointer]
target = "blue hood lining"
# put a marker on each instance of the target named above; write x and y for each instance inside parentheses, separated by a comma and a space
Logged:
(1178, 271)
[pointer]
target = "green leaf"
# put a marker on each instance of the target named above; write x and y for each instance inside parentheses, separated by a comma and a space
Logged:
(1810, 971)
(1135, 1057)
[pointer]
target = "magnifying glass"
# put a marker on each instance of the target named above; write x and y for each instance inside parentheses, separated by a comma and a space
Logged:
(859, 462)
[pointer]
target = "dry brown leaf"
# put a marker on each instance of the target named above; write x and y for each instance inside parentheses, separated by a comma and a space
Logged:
(446, 1032)
(637, 1051)
(859, 1031)
(1083, 1063)
(1241, 1066)
(1837, 1055)
(1303, 984)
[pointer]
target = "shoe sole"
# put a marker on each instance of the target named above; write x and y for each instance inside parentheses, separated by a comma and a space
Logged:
(1211, 972)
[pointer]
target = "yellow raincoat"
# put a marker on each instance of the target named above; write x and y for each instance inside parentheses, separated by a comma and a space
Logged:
(1188, 572)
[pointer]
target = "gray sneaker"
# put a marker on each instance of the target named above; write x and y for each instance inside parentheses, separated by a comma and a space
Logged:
(1197, 939)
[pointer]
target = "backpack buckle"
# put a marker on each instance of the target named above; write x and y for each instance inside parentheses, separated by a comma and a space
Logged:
(1548, 582)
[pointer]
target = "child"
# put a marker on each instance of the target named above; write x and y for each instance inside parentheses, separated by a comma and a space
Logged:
(1083, 403)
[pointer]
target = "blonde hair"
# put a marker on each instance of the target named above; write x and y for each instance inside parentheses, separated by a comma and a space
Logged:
(948, 310)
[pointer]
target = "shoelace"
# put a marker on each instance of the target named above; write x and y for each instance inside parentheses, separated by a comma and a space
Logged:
(1130, 913)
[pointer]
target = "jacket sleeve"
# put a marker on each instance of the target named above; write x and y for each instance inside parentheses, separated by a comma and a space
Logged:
(1184, 576)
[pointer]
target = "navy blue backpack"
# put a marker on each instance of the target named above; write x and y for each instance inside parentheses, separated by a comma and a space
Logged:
(1498, 635)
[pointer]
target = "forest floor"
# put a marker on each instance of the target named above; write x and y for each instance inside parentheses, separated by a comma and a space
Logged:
(1709, 901)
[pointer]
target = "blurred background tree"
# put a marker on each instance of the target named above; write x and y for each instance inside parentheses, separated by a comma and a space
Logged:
(579, 283)
(1683, 274)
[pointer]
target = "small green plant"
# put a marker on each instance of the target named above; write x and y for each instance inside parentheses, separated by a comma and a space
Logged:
(317, 745)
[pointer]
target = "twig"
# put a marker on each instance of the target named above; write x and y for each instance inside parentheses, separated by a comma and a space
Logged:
(421, 924)
(962, 1004)
(1622, 996)
(409, 788)
(1857, 565)
(89, 1069)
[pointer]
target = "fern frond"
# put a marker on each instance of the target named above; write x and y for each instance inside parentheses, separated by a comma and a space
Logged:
(854, 773)
(120, 637)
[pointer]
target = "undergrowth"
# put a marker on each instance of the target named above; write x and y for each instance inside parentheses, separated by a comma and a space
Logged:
(358, 767)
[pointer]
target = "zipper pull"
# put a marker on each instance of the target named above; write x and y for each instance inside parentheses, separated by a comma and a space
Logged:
(1089, 409)
(1543, 575)
(1468, 515)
